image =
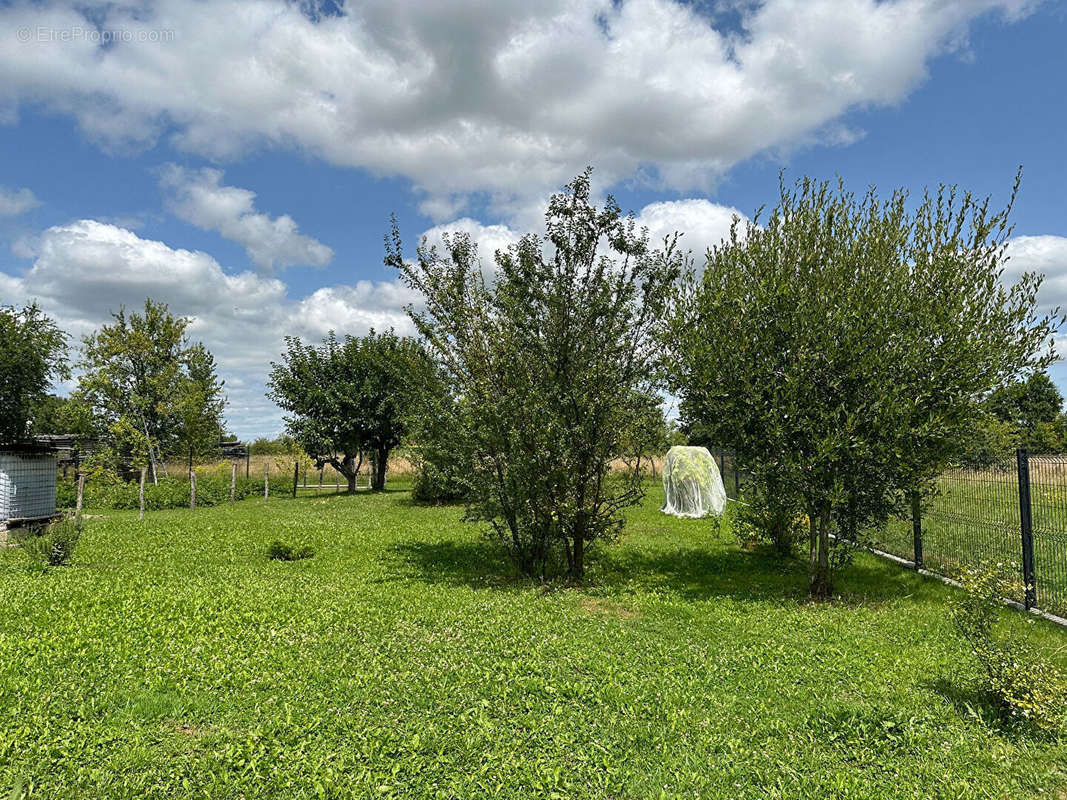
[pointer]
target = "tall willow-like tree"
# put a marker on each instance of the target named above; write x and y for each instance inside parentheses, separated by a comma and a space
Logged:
(552, 364)
(843, 343)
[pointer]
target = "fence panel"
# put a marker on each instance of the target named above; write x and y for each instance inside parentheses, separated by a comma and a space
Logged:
(1048, 502)
(972, 518)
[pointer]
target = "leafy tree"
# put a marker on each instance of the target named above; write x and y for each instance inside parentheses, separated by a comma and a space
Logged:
(54, 415)
(200, 403)
(443, 466)
(350, 397)
(553, 363)
(152, 392)
(1027, 403)
(842, 345)
(33, 354)
(280, 446)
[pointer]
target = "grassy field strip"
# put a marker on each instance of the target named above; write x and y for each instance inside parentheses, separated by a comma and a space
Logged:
(174, 660)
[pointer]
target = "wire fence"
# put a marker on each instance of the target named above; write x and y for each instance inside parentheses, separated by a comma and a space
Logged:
(208, 479)
(1011, 514)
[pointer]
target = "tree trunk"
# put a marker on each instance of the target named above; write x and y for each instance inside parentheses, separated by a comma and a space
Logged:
(349, 468)
(821, 585)
(381, 461)
(579, 546)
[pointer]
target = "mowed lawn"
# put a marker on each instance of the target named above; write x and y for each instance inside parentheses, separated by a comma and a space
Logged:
(175, 660)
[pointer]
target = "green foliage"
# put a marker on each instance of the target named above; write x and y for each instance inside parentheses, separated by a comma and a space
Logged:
(280, 551)
(212, 489)
(443, 466)
(989, 442)
(53, 415)
(841, 346)
(53, 545)
(33, 354)
(1027, 403)
(405, 660)
(763, 519)
(152, 393)
(1026, 413)
(279, 446)
(554, 362)
(350, 397)
(1024, 687)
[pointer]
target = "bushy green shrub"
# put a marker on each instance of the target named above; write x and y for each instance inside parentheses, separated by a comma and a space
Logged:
(52, 545)
(774, 522)
(441, 479)
(280, 551)
(1022, 686)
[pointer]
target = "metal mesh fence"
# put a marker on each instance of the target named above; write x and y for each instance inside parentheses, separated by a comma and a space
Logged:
(972, 518)
(1048, 502)
(1011, 513)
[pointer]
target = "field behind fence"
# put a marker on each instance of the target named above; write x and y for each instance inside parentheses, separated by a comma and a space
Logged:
(218, 479)
(1012, 513)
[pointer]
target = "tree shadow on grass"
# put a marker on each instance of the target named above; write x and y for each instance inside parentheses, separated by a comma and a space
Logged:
(476, 564)
(689, 573)
(693, 573)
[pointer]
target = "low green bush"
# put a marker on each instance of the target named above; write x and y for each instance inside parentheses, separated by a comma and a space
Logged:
(52, 545)
(778, 524)
(440, 482)
(1022, 686)
(280, 551)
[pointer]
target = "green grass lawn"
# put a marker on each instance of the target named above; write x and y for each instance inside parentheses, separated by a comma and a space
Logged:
(175, 660)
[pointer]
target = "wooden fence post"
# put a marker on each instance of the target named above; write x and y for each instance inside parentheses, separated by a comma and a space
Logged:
(144, 471)
(233, 483)
(296, 476)
(81, 493)
(248, 462)
(266, 480)
(192, 488)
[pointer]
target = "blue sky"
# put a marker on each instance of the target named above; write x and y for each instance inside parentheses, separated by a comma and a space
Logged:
(240, 160)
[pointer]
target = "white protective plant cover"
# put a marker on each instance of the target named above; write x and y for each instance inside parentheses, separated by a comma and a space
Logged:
(692, 483)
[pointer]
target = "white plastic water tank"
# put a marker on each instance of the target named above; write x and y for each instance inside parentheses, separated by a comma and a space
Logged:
(27, 484)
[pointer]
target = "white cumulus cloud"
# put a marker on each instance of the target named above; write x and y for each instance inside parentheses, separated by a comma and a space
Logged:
(1046, 255)
(199, 198)
(460, 96)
